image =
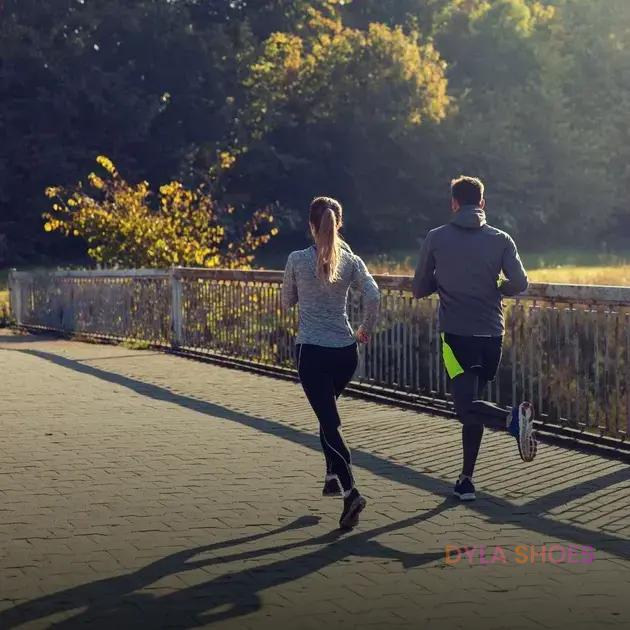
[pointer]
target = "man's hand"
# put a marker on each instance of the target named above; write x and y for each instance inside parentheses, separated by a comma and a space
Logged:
(362, 336)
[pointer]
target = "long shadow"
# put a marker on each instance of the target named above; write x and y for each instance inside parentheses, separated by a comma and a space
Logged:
(578, 491)
(114, 602)
(100, 591)
(136, 355)
(495, 509)
(21, 338)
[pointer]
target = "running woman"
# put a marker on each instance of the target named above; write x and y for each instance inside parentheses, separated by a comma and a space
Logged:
(463, 261)
(318, 279)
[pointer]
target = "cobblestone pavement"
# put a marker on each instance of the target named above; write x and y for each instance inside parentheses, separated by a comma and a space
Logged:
(143, 490)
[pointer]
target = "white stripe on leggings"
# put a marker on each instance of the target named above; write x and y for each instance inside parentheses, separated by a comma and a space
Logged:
(343, 459)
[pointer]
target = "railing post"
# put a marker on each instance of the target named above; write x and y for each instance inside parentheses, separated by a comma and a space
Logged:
(177, 330)
(15, 297)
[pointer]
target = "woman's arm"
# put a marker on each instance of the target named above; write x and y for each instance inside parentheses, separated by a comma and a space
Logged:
(364, 281)
(289, 286)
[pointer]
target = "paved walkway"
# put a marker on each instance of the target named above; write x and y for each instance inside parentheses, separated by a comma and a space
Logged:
(141, 490)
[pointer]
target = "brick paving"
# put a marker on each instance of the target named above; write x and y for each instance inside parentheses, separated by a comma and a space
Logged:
(143, 490)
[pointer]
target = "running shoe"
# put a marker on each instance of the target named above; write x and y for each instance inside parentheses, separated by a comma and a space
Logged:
(465, 490)
(353, 505)
(331, 487)
(521, 427)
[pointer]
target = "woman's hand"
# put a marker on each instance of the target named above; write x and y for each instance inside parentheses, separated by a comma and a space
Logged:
(362, 336)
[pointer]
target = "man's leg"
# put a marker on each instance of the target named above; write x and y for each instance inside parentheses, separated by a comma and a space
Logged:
(470, 366)
(471, 442)
(464, 389)
(488, 414)
(471, 363)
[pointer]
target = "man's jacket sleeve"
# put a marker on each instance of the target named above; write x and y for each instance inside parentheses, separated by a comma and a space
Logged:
(513, 270)
(424, 282)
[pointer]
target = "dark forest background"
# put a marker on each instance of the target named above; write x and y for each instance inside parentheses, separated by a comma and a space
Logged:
(377, 102)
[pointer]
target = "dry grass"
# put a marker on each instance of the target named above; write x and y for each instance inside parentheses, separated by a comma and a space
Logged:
(612, 275)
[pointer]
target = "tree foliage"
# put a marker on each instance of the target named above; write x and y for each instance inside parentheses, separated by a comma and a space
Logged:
(379, 102)
(186, 228)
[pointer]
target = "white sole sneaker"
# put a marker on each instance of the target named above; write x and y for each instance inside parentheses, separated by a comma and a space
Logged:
(465, 496)
(527, 443)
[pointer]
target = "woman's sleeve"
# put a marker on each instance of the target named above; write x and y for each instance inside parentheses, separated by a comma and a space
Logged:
(289, 286)
(364, 281)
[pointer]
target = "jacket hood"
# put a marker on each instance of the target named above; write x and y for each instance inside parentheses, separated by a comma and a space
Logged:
(470, 217)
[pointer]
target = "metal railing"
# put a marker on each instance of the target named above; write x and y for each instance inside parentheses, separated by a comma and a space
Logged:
(567, 347)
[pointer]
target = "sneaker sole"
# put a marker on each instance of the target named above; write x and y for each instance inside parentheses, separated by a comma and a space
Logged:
(351, 519)
(527, 444)
(337, 493)
(465, 496)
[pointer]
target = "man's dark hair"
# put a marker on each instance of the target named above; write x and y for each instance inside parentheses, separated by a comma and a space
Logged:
(467, 191)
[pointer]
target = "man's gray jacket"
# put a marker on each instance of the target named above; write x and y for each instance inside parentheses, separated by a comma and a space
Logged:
(463, 261)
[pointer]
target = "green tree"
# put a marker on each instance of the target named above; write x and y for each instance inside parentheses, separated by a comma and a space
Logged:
(129, 79)
(127, 225)
(330, 107)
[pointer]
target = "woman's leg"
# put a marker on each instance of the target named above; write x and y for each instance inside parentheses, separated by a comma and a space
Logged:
(318, 383)
(323, 443)
(345, 368)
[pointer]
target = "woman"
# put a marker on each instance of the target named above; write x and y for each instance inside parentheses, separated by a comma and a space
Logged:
(318, 279)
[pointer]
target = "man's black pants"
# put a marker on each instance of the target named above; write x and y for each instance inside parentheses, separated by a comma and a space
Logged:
(471, 363)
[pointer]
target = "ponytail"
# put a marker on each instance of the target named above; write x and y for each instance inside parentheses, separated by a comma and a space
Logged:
(328, 248)
(326, 220)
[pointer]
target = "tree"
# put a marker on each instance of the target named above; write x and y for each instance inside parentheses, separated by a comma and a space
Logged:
(329, 108)
(378, 102)
(134, 80)
(186, 228)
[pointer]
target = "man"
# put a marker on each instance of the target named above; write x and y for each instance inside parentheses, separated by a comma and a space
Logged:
(472, 266)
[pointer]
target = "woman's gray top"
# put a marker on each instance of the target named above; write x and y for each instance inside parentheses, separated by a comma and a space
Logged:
(323, 306)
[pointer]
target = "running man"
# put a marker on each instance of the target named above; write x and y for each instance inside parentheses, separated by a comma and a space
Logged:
(318, 279)
(472, 266)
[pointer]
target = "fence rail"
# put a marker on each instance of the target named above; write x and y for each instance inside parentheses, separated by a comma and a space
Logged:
(567, 347)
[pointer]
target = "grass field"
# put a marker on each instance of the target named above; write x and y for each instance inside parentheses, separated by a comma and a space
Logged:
(561, 267)
(571, 274)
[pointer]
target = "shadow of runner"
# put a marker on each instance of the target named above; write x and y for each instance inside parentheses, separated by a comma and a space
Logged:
(495, 509)
(95, 594)
(113, 602)
(15, 337)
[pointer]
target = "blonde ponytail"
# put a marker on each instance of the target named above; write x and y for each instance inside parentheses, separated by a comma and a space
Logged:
(328, 248)
(326, 220)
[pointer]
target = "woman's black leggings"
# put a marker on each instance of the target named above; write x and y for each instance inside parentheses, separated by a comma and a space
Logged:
(324, 374)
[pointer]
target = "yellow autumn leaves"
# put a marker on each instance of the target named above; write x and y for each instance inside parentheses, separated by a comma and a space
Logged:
(185, 227)
(384, 72)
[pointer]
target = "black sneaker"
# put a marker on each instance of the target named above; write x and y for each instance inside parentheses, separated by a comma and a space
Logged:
(331, 488)
(465, 490)
(353, 505)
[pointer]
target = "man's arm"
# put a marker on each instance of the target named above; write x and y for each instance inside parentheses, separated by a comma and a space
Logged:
(513, 270)
(424, 283)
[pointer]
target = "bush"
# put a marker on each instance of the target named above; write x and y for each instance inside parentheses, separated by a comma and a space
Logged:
(185, 227)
